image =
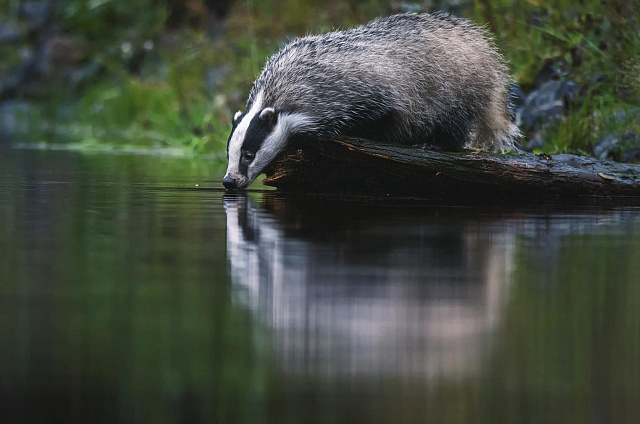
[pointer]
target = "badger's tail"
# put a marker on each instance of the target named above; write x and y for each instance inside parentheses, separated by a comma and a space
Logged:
(494, 129)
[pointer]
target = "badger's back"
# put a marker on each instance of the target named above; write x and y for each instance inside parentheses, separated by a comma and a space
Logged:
(409, 78)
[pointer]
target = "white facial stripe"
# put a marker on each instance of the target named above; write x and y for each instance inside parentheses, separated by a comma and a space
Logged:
(235, 145)
(287, 125)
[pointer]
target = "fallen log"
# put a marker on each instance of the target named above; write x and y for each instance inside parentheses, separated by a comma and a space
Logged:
(366, 167)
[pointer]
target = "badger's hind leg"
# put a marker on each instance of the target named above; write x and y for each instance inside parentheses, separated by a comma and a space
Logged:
(450, 133)
(448, 139)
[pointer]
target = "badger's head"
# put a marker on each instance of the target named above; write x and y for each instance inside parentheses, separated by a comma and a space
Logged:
(257, 137)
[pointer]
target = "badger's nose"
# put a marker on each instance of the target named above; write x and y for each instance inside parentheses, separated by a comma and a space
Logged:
(229, 183)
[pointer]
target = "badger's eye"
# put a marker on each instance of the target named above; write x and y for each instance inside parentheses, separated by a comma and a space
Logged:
(248, 156)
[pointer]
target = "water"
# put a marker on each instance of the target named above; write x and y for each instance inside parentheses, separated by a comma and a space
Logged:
(129, 294)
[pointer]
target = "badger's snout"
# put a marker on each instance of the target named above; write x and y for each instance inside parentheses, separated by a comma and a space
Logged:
(230, 183)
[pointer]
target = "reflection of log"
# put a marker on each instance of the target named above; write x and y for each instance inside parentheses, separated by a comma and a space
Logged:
(360, 166)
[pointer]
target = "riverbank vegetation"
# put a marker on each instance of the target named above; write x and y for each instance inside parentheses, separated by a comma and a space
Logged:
(171, 73)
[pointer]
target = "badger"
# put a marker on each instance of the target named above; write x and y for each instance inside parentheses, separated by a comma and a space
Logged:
(419, 79)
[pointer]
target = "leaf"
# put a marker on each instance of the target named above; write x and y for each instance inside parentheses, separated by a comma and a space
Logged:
(606, 177)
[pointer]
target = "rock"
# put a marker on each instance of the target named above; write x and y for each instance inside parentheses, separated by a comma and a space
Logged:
(552, 70)
(603, 148)
(35, 12)
(21, 79)
(631, 154)
(9, 33)
(9, 121)
(623, 147)
(546, 104)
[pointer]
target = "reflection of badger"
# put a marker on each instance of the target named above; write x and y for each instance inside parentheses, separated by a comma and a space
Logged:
(350, 289)
(410, 78)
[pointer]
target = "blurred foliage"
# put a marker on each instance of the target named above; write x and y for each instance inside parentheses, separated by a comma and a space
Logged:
(100, 21)
(167, 84)
(596, 44)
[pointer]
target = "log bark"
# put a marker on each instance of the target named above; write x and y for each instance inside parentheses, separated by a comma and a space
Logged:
(366, 167)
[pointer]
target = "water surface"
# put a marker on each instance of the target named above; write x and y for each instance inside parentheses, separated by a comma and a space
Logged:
(132, 289)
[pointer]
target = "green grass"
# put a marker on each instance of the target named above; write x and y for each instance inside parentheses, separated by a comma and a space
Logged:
(594, 39)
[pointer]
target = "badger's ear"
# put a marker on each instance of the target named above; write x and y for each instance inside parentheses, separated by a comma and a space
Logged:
(269, 115)
(237, 116)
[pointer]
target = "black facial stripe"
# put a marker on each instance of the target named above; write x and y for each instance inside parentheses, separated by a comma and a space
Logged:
(243, 167)
(257, 132)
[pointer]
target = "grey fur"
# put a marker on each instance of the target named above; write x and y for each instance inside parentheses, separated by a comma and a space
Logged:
(408, 78)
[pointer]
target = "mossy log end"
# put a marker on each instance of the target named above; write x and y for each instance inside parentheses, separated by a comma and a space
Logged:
(366, 167)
